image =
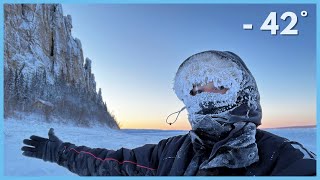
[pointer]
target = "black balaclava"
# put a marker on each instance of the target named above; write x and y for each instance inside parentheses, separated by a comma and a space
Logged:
(230, 118)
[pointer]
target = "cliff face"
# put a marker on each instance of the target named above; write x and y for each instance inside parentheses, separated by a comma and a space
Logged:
(39, 36)
(44, 63)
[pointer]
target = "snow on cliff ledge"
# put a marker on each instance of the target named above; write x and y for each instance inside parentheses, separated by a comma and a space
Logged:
(38, 36)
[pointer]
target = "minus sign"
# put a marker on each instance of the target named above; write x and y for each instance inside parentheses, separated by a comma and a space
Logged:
(247, 26)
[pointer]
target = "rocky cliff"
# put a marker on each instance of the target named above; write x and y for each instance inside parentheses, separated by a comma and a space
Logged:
(39, 36)
(39, 48)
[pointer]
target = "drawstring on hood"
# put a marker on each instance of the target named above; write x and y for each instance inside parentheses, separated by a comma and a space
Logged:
(176, 117)
(229, 118)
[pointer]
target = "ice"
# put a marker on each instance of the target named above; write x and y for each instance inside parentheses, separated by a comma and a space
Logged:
(202, 70)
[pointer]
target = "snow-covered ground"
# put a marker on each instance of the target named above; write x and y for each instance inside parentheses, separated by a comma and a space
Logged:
(16, 130)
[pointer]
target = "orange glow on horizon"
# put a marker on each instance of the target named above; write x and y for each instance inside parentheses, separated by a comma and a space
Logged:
(183, 124)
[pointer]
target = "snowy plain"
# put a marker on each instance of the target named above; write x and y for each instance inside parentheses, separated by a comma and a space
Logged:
(15, 130)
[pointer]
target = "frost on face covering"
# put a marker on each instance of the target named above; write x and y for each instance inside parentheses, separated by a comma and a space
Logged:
(239, 103)
(223, 120)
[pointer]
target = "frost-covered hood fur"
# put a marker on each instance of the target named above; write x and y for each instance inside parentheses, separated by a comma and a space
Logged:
(240, 103)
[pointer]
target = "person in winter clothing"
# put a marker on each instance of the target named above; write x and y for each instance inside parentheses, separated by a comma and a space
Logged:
(223, 104)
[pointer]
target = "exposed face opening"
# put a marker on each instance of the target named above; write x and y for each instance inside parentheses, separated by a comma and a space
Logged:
(197, 89)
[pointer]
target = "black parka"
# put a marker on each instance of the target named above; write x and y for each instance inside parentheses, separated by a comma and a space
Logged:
(175, 156)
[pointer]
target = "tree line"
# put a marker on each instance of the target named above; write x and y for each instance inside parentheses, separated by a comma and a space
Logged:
(62, 98)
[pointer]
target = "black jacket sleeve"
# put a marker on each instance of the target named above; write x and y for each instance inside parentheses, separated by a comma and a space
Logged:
(294, 161)
(87, 161)
(279, 156)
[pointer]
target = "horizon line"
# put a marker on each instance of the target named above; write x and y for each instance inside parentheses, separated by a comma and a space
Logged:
(282, 127)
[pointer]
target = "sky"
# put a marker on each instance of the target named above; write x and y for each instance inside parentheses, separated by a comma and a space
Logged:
(137, 49)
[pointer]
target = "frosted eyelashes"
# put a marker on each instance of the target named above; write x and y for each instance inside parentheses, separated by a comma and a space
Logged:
(210, 88)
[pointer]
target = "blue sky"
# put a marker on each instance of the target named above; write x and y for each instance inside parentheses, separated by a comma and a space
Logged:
(136, 50)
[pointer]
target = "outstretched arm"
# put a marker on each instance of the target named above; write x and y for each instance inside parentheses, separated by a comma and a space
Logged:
(87, 161)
